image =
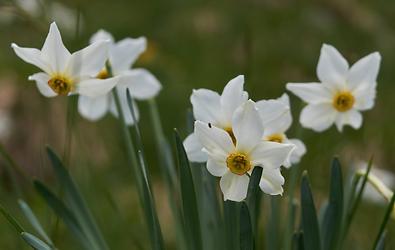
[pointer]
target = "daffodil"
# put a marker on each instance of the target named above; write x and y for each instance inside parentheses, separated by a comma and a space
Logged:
(343, 92)
(233, 157)
(141, 83)
(277, 119)
(210, 107)
(65, 73)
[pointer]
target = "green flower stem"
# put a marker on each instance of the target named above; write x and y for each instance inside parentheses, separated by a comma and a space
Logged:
(141, 179)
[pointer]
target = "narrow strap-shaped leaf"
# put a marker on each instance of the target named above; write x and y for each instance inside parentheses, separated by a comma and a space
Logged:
(331, 225)
(253, 197)
(11, 219)
(311, 233)
(35, 242)
(77, 203)
(31, 217)
(381, 243)
(388, 212)
(246, 234)
(297, 241)
(188, 196)
(272, 240)
(63, 213)
(232, 224)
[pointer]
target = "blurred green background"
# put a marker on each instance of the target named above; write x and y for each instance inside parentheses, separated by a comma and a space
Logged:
(191, 44)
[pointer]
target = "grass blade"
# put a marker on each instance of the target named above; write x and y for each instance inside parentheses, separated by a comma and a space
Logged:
(333, 216)
(76, 202)
(188, 196)
(381, 243)
(31, 217)
(232, 224)
(297, 241)
(253, 197)
(63, 213)
(11, 219)
(35, 242)
(246, 234)
(389, 211)
(311, 233)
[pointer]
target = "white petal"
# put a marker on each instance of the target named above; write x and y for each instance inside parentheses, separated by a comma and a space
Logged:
(332, 67)
(96, 87)
(300, 150)
(311, 92)
(125, 52)
(93, 108)
(216, 168)
(365, 97)
(54, 51)
(232, 97)
(275, 115)
(270, 154)
(101, 35)
(141, 83)
(32, 56)
(42, 84)
(213, 139)
(318, 117)
(284, 99)
(364, 72)
(193, 148)
(351, 117)
(234, 187)
(272, 181)
(206, 105)
(88, 61)
(247, 126)
(127, 114)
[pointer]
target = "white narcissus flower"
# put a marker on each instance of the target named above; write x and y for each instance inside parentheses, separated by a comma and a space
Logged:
(141, 83)
(276, 118)
(66, 73)
(210, 107)
(342, 94)
(233, 158)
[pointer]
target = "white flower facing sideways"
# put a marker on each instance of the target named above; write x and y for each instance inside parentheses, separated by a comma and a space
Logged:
(233, 158)
(342, 93)
(210, 107)
(65, 73)
(141, 83)
(277, 119)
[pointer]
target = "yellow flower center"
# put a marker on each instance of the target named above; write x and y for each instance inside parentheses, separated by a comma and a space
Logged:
(103, 74)
(230, 132)
(60, 84)
(343, 101)
(238, 163)
(276, 138)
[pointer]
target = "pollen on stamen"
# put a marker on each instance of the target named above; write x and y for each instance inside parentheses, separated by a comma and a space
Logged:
(238, 163)
(60, 85)
(343, 101)
(103, 74)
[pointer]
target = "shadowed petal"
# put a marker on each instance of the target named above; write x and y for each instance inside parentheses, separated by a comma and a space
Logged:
(318, 117)
(42, 84)
(142, 84)
(234, 187)
(93, 108)
(193, 148)
(272, 181)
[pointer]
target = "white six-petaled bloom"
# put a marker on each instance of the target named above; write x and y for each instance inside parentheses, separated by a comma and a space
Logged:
(276, 118)
(233, 157)
(342, 93)
(210, 107)
(141, 83)
(66, 73)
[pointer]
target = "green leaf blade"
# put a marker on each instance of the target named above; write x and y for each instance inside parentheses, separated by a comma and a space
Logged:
(332, 221)
(35, 242)
(311, 233)
(246, 234)
(188, 196)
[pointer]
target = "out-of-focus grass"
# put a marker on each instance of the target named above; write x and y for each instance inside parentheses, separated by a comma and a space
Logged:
(197, 44)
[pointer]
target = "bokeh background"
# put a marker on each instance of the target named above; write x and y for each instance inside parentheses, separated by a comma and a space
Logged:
(191, 44)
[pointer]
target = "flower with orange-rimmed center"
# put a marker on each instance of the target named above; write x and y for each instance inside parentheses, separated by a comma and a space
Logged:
(210, 107)
(277, 119)
(65, 73)
(343, 92)
(141, 83)
(233, 162)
